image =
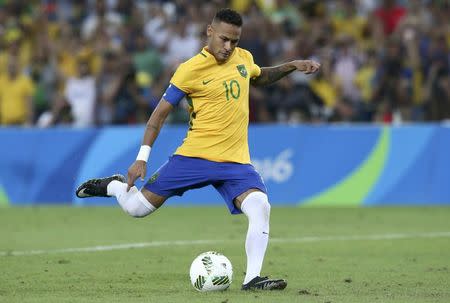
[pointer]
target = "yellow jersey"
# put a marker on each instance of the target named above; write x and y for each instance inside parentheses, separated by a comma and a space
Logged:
(13, 99)
(218, 96)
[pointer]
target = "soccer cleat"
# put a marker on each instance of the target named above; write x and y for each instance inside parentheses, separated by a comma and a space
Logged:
(264, 283)
(97, 187)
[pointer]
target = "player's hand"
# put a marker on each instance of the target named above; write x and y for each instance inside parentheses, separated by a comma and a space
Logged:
(136, 170)
(307, 66)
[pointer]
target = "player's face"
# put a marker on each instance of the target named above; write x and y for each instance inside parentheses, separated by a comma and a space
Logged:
(222, 39)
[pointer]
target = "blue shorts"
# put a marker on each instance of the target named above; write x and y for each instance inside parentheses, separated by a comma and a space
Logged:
(181, 173)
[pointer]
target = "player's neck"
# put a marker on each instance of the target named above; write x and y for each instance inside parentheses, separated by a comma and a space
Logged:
(217, 61)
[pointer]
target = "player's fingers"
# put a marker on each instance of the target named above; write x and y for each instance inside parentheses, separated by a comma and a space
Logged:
(308, 69)
(142, 175)
(316, 66)
(130, 182)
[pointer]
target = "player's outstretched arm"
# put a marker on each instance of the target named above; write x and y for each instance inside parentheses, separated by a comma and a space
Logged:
(154, 125)
(271, 74)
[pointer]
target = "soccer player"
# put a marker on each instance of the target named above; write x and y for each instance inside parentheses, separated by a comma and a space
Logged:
(215, 151)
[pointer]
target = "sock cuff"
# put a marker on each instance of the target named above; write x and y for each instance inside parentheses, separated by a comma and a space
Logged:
(115, 187)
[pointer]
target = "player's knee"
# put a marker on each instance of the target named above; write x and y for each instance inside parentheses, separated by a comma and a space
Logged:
(136, 210)
(256, 204)
(138, 206)
(265, 205)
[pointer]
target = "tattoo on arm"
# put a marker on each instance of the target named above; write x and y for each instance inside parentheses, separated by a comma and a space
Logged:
(154, 127)
(270, 75)
(155, 122)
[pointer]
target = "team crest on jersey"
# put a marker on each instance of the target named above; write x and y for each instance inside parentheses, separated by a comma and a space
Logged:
(153, 178)
(242, 70)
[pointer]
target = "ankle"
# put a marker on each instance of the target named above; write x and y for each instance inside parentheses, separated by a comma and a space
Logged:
(115, 188)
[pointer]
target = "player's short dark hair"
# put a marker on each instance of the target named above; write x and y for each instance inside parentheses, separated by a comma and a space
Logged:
(229, 16)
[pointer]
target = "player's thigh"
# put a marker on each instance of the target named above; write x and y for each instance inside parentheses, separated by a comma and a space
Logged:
(175, 177)
(154, 199)
(237, 183)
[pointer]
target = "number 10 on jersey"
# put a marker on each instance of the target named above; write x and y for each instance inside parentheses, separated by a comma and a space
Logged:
(232, 88)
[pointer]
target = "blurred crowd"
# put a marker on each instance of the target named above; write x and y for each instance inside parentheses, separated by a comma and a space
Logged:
(103, 62)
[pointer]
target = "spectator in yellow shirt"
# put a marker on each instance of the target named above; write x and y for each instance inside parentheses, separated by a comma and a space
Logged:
(16, 92)
(346, 22)
(325, 85)
(14, 44)
(364, 78)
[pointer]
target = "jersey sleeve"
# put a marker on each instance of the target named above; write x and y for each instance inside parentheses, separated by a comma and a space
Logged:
(255, 70)
(182, 78)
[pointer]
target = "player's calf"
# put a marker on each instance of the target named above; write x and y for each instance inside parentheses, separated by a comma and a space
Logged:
(133, 201)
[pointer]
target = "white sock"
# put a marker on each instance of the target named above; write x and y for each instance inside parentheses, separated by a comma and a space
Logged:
(257, 208)
(132, 202)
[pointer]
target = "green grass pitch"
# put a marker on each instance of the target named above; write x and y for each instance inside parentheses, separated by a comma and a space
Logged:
(326, 254)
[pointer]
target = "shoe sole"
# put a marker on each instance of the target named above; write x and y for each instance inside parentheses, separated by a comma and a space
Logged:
(280, 285)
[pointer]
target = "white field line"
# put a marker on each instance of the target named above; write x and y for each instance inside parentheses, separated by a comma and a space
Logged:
(396, 236)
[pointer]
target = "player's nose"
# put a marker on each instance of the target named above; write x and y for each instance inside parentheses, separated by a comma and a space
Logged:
(227, 46)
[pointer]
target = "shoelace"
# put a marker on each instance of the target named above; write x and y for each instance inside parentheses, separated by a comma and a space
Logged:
(262, 279)
(96, 181)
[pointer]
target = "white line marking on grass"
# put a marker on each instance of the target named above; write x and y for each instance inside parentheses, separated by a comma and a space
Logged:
(443, 234)
(106, 247)
(440, 234)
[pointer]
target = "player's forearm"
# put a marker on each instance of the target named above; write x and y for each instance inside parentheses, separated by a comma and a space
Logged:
(155, 123)
(151, 133)
(272, 74)
(152, 129)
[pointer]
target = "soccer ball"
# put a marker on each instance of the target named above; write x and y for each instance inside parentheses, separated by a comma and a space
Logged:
(211, 271)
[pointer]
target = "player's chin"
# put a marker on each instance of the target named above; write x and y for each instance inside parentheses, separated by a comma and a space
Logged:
(224, 56)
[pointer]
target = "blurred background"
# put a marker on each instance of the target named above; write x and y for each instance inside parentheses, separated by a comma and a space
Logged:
(103, 62)
(79, 79)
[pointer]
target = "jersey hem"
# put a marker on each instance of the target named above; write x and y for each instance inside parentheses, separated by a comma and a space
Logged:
(211, 158)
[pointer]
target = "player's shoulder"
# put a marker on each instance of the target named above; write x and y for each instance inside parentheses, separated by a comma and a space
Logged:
(194, 62)
(242, 52)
